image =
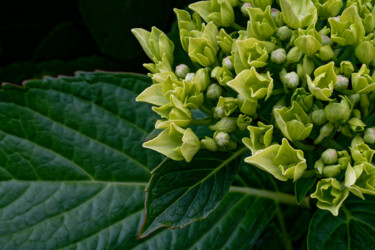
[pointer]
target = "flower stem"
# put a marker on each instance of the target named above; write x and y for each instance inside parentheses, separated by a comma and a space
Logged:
(205, 110)
(237, 26)
(283, 198)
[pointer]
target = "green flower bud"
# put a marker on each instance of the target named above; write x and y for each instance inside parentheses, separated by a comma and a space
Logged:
(293, 122)
(362, 82)
(202, 79)
(348, 29)
(225, 41)
(175, 143)
(324, 82)
(361, 152)
(278, 56)
(330, 195)
(298, 14)
(308, 41)
(248, 107)
(261, 24)
(223, 75)
(318, 166)
(346, 68)
(326, 40)
(188, 26)
(282, 161)
(318, 117)
(243, 121)
(219, 12)
(328, 8)
(338, 112)
(222, 139)
(219, 112)
(291, 80)
(342, 83)
(369, 135)
(182, 70)
(214, 91)
(277, 17)
(226, 124)
(189, 77)
(331, 171)
(365, 52)
(344, 159)
(209, 144)
(284, 33)
(229, 104)
(227, 63)
(263, 4)
(260, 137)
(369, 22)
(360, 179)
(303, 98)
(252, 85)
(251, 53)
(294, 55)
(329, 156)
(357, 125)
(203, 49)
(325, 53)
(244, 8)
(356, 113)
(325, 131)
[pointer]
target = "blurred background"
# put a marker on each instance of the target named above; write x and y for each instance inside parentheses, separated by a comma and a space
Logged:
(58, 37)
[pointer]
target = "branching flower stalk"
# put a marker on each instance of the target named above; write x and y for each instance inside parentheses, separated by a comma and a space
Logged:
(297, 75)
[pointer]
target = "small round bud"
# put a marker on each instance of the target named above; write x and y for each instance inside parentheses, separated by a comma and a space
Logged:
(291, 79)
(278, 56)
(189, 77)
(346, 68)
(215, 72)
(182, 70)
(222, 139)
(227, 63)
(284, 33)
(214, 91)
(219, 112)
(274, 13)
(318, 117)
(329, 156)
(326, 40)
(369, 135)
(244, 9)
(342, 83)
(209, 144)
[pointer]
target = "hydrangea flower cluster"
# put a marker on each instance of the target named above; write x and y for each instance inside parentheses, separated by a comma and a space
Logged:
(313, 61)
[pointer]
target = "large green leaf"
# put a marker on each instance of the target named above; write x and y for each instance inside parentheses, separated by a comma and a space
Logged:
(353, 228)
(180, 193)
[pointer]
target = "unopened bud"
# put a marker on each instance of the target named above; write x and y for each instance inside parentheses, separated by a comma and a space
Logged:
(219, 112)
(243, 121)
(356, 124)
(278, 56)
(294, 55)
(326, 53)
(325, 131)
(346, 68)
(182, 70)
(342, 83)
(244, 7)
(356, 113)
(189, 77)
(222, 139)
(326, 40)
(369, 135)
(331, 171)
(209, 144)
(318, 117)
(329, 156)
(227, 63)
(284, 33)
(291, 79)
(318, 166)
(214, 91)
(274, 12)
(226, 124)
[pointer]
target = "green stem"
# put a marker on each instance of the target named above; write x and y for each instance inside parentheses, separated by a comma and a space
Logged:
(201, 122)
(332, 144)
(278, 92)
(237, 26)
(316, 61)
(205, 110)
(303, 146)
(283, 198)
(285, 237)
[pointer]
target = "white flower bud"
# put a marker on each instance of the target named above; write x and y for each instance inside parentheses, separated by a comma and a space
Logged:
(219, 112)
(329, 156)
(222, 139)
(227, 62)
(284, 33)
(189, 77)
(369, 135)
(244, 7)
(278, 56)
(274, 13)
(214, 91)
(182, 70)
(342, 83)
(291, 79)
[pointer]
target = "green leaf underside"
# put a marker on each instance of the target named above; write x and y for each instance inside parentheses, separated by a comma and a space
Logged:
(353, 228)
(180, 193)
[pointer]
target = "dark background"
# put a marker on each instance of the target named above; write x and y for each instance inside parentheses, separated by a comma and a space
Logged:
(58, 37)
